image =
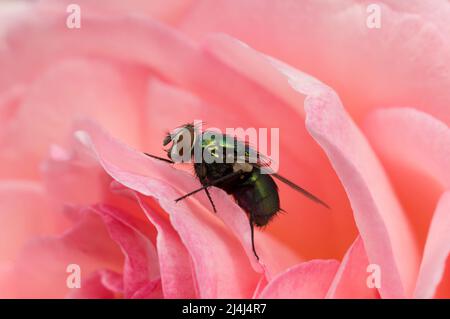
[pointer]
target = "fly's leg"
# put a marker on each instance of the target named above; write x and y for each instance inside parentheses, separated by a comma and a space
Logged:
(252, 231)
(160, 158)
(210, 200)
(171, 162)
(209, 184)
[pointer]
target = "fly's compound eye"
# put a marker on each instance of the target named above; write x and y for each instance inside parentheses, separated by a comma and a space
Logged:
(183, 144)
(167, 140)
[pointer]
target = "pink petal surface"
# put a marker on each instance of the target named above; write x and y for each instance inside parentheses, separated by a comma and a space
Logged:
(308, 280)
(168, 11)
(326, 117)
(143, 42)
(443, 289)
(9, 104)
(25, 212)
(40, 270)
(277, 257)
(260, 287)
(351, 278)
(312, 35)
(112, 281)
(140, 176)
(415, 150)
(427, 148)
(93, 288)
(152, 291)
(6, 284)
(48, 108)
(175, 262)
(197, 228)
(11, 11)
(437, 252)
(74, 180)
(44, 261)
(141, 267)
(174, 259)
(383, 226)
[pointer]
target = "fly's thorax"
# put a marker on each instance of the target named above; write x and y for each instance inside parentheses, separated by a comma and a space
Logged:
(211, 148)
(221, 148)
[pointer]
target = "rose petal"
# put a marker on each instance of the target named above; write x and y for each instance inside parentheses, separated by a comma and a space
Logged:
(443, 289)
(351, 278)
(169, 11)
(179, 61)
(75, 180)
(143, 42)
(7, 287)
(25, 213)
(71, 180)
(212, 247)
(415, 150)
(307, 227)
(277, 257)
(9, 104)
(112, 280)
(175, 262)
(141, 266)
(263, 282)
(151, 291)
(378, 215)
(310, 280)
(427, 148)
(338, 128)
(331, 40)
(93, 288)
(437, 252)
(11, 11)
(40, 270)
(93, 83)
(43, 263)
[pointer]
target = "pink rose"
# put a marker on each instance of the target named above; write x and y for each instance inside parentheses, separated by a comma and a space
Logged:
(78, 106)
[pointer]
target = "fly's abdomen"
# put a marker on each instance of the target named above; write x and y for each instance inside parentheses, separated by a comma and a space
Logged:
(258, 196)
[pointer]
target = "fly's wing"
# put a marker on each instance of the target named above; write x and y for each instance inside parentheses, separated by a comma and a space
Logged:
(233, 150)
(250, 155)
(263, 162)
(243, 152)
(300, 189)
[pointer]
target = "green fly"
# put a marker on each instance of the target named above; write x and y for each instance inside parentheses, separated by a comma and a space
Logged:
(232, 165)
